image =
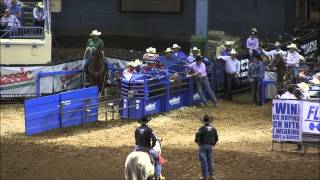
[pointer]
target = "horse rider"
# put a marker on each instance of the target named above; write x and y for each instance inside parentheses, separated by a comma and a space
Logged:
(146, 141)
(94, 43)
(252, 41)
(206, 137)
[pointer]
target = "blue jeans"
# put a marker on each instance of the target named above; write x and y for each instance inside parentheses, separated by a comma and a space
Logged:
(157, 164)
(204, 83)
(206, 160)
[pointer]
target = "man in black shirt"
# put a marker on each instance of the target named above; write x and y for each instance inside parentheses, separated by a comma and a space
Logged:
(145, 137)
(206, 138)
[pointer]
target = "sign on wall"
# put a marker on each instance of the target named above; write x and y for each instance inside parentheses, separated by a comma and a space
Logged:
(55, 5)
(311, 117)
(286, 120)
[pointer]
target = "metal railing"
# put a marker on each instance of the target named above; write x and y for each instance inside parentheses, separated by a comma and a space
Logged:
(23, 33)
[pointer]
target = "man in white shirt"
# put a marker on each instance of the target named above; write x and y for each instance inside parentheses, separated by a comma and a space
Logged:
(275, 51)
(293, 61)
(38, 15)
(232, 68)
(9, 21)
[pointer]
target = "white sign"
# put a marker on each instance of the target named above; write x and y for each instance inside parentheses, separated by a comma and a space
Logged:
(310, 47)
(196, 96)
(151, 107)
(286, 120)
(244, 67)
(175, 101)
(311, 117)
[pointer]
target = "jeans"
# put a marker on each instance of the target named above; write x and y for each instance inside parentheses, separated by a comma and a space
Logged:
(206, 160)
(254, 85)
(157, 164)
(231, 79)
(203, 82)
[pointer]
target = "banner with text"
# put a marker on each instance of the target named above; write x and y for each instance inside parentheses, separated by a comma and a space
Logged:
(311, 117)
(286, 120)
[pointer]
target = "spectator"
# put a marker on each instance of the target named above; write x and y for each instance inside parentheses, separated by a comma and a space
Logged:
(293, 61)
(16, 9)
(206, 138)
(275, 51)
(201, 80)
(176, 51)
(192, 57)
(169, 60)
(129, 71)
(39, 15)
(151, 54)
(138, 64)
(232, 68)
(9, 21)
(288, 94)
(254, 78)
(227, 50)
(252, 41)
(8, 3)
(3, 7)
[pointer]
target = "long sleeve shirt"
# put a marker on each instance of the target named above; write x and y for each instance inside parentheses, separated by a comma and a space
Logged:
(254, 70)
(191, 59)
(145, 137)
(225, 52)
(231, 65)
(293, 59)
(10, 21)
(273, 52)
(201, 68)
(207, 135)
(168, 62)
(180, 55)
(38, 13)
(252, 43)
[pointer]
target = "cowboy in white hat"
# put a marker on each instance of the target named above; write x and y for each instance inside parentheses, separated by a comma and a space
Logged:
(39, 15)
(232, 68)
(226, 51)
(293, 60)
(151, 54)
(252, 41)
(194, 53)
(95, 41)
(169, 60)
(176, 51)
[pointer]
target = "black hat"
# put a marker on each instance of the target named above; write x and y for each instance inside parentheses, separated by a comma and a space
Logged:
(144, 120)
(207, 119)
(198, 58)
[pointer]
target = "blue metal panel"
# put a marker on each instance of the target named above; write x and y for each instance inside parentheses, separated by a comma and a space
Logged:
(79, 106)
(41, 114)
(153, 106)
(177, 100)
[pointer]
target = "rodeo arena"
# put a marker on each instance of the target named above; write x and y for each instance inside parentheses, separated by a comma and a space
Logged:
(219, 106)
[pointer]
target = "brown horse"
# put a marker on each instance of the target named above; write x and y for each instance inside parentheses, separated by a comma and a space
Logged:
(279, 63)
(97, 71)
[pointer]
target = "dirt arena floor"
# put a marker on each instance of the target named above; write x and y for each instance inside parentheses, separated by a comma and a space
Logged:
(98, 151)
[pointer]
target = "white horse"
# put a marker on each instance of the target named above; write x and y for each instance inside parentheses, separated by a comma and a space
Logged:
(138, 165)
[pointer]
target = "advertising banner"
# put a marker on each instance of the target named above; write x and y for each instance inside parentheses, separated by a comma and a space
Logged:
(311, 117)
(22, 80)
(286, 120)
(68, 82)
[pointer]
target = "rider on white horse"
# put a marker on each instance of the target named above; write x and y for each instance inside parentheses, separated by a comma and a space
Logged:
(146, 141)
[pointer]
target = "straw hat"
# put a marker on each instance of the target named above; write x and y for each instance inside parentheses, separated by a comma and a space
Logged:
(131, 63)
(40, 5)
(315, 81)
(293, 46)
(207, 119)
(148, 50)
(277, 43)
(303, 86)
(175, 46)
(153, 51)
(168, 50)
(137, 62)
(254, 30)
(228, 43)
(233, 51)
(95, 33)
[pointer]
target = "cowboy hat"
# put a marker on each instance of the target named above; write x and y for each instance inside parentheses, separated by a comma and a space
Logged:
(207, 119)
(228, 43)
(277, 43)
(137, 62)
(233, 51)
(175, 46)
(95, 33)
(40, 4)
(303, 86)
(293, 46)
(315, 81)
(254, 30)
(195, 49)
(144, 120)
(131, 63)
(168, 50)
(148, 50)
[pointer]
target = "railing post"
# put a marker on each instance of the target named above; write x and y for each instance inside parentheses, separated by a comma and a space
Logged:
(38, 83)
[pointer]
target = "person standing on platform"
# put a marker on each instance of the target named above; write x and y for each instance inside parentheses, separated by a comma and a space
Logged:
(232, 68)
(227, 50)
(192, 57)
(254, 78)
(176, 52)
(206, 138)
(252, 41)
